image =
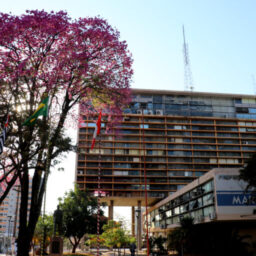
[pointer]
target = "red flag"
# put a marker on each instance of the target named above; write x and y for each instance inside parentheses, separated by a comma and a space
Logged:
(3, 135)
(96, 131)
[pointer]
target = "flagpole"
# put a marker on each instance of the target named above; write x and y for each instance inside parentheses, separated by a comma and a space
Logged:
(98, 199)
(145, 182)
(46, 173)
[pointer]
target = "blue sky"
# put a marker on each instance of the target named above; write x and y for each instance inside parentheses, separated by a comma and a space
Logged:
(220, 34)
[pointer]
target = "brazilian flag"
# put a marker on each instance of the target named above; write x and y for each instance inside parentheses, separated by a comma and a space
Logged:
(42, 110)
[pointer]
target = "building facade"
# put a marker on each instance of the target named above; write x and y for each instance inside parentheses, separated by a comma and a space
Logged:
(168, 139)
(217, 196)
(8, 213)
(9, 216)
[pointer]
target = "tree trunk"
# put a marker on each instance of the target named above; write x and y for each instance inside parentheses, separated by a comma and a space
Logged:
(23, 236)
(74, 247)
(27, 226)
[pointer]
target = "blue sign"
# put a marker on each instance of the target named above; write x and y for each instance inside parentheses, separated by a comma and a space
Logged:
(236, 199)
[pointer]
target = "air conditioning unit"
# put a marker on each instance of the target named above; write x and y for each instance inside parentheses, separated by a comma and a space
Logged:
(139, 111)
(159, 112)
(150, 112)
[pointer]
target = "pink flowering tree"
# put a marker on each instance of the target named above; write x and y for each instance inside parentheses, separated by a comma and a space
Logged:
(75, 62)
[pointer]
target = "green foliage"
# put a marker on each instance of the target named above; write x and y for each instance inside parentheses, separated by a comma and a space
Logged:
(159, 243)
(79, 215)
(44, 224)
(156, 244)
(114, 235)
(181, 238)
(208, 239)
(248, 173)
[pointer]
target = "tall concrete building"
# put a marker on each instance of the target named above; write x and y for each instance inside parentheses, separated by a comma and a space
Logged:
(9, 216)
(8, 213)
(174, 137)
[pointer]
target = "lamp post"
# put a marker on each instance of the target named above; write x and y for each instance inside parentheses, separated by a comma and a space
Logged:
(8, 234)
(138, 216)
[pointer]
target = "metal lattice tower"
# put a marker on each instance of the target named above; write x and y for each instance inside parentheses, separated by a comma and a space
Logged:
(188, 80)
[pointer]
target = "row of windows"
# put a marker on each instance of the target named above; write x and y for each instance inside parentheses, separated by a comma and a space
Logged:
(176, 151)
(175, 140)
(156, 122)
(195, 203)
(161, 129)
(129, 173)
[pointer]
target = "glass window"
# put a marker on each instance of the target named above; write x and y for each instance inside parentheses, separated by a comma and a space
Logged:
(208, 199)
(119, 151)
(145, 126)
(198, 174)
(133, 172)
(207, 187)
(134, 152)
(238, 101)
(177, 210)
(157, 99)
(120, 173)
(252, 110)
(209, 211)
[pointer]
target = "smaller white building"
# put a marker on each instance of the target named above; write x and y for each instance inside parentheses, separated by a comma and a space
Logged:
(218, 195)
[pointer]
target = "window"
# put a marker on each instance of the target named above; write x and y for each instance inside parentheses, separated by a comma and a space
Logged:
(176, 210)
(119, 151)
(207, 187)
(209, 211)
(208, 199)
(123, 173)
(134, 152)
(238, 101)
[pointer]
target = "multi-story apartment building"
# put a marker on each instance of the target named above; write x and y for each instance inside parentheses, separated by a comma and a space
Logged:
(173, 137)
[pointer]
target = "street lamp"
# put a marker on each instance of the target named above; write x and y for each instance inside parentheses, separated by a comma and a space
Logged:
(138, 216)
(8, 234)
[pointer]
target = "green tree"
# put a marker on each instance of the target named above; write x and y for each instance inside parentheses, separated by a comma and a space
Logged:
(79, 215)
(114, 235)
(181, 238)
(209, 239)
(44, 226)
(248, 172)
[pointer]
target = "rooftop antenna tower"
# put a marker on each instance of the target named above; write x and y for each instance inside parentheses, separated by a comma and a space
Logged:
(188, 81)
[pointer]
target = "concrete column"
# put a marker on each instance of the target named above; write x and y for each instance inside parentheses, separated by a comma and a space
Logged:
(133, 221)
(139, 239)
(111, 210)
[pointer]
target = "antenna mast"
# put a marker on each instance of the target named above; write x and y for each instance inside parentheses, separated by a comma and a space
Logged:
(188, 81)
